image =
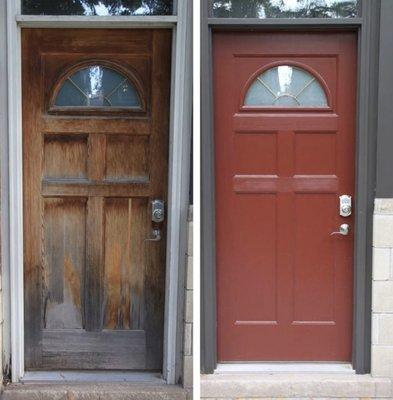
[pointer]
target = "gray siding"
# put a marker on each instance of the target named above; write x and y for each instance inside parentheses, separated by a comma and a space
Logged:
(384, 188)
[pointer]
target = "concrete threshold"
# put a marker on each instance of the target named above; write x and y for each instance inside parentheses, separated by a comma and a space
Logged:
(295, 367)
(93, 391)
(260, 385)
(92, 376)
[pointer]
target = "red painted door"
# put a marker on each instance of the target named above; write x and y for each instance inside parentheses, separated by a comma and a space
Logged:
(285, 151)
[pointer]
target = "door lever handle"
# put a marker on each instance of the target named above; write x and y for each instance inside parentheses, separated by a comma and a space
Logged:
(155, 236)
(344, 230)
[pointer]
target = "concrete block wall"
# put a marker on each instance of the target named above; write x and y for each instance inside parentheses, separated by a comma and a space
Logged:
(382, 292)
(188, 324)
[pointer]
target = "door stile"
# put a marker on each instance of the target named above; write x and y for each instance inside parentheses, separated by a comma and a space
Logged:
(160, 123)
(33, 210)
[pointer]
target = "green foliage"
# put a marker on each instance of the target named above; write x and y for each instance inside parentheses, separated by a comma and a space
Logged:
(280, 8)
(88, 7)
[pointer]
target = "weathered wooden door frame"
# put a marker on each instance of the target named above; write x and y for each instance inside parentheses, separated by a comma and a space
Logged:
(367, 28)
(179, 176)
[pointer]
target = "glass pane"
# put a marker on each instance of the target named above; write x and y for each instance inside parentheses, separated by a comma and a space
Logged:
(286, 86)
(285, 8)
(69, 94)
(97, 86)
(97, 7)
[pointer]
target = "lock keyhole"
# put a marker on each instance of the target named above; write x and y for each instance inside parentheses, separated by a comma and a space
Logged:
(345, 205)
(157, 211)
(158, 215)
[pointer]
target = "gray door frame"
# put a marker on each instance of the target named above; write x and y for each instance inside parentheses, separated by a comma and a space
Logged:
(367, 28)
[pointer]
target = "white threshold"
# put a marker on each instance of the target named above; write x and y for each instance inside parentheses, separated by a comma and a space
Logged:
(92, 376)
(285, 367)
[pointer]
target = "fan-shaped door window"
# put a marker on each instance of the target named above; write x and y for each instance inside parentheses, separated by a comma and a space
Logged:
(98, 86)
(286, 86)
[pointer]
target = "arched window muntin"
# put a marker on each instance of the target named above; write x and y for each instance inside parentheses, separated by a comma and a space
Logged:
(296, 65)
(130, 75)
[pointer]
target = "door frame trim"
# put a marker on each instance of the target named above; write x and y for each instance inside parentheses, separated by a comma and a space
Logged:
(80, 21)
(178, 170)
(367, 28)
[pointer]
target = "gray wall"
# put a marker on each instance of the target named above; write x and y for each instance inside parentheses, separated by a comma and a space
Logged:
(384, 187)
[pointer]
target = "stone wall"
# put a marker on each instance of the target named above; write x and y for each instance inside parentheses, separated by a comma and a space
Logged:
(188, 346)
(382, 293)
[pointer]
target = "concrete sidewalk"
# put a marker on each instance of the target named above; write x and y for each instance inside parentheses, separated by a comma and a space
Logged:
(93, 391)
(231, 386)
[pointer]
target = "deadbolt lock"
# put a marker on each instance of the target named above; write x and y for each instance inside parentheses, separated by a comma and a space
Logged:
(345, 205)
(157, 211)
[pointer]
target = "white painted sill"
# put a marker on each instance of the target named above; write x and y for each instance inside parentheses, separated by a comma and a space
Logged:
(285, 367)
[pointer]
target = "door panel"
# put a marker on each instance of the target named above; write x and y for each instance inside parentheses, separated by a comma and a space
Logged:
(64, 222)
(284, 283)
(94, 287)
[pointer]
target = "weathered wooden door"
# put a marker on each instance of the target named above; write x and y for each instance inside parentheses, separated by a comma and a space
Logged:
(95, 153)
(284, 145)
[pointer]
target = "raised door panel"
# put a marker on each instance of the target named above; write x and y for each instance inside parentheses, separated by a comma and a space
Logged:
(64, 262)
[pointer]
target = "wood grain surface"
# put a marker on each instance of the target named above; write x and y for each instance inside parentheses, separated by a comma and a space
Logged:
(94, 288)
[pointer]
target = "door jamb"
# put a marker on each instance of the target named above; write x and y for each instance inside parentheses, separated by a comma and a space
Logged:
(367, 28)
(179, 175)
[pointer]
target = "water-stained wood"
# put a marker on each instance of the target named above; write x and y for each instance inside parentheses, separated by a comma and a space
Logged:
(64, 262)
(94, 264)
(119, 349)
(94, 288)
(124, 262)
